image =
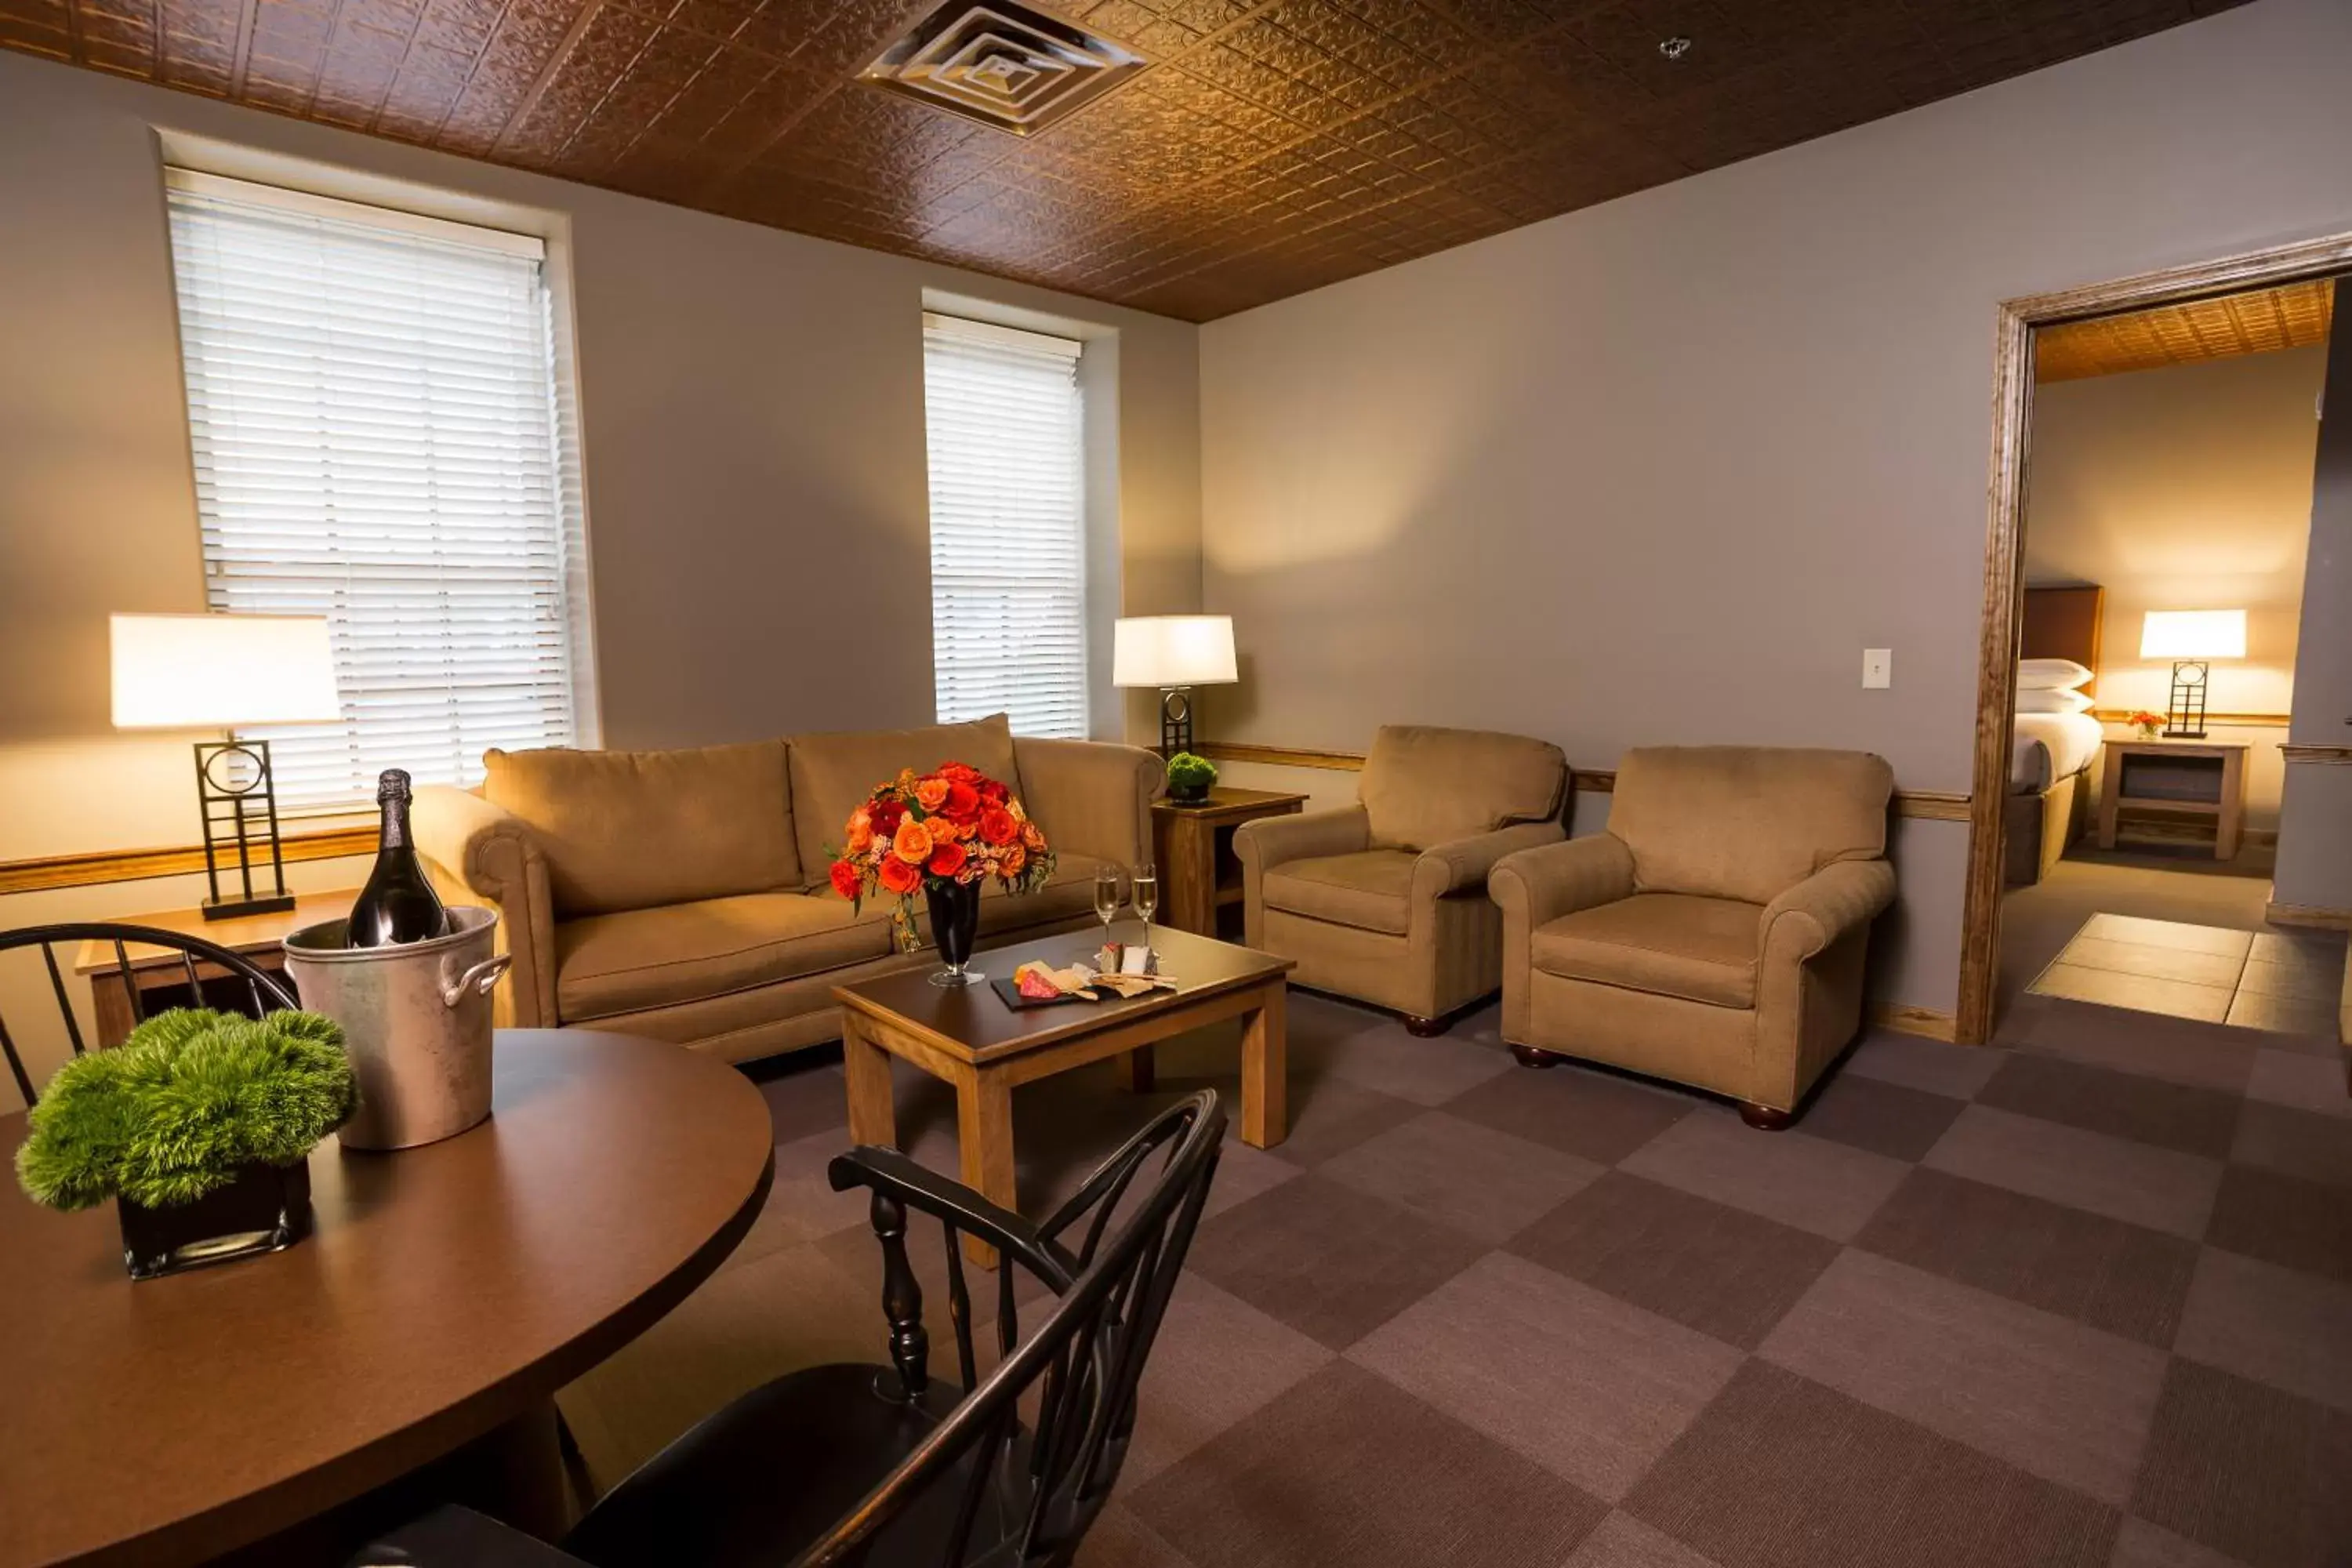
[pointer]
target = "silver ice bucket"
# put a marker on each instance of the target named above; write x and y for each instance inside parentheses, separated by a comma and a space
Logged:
(417, 1023)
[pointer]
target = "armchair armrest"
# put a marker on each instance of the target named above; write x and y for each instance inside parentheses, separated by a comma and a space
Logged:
(1462, 863)
(1841, 898)
(1271, 841)
(1090, 797)
(1535, 885)
(477, 852)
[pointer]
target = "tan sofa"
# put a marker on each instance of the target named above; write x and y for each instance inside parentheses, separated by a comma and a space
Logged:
(1386, 901)
(1714, 934)
(683, 894)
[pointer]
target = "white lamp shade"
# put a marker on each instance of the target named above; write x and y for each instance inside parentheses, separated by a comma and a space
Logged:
(213, 673)
(2193, 634)
(1172, 650)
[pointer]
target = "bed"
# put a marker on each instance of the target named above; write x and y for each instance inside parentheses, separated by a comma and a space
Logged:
(2052, 754)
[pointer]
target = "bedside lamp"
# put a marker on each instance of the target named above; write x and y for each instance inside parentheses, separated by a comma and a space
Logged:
(2190, 638)
(214, 672)
(1174, 653)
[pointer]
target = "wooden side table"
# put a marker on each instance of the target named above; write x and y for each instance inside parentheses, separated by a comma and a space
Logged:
(162, 980)
(1199, 872)
(2205, 778)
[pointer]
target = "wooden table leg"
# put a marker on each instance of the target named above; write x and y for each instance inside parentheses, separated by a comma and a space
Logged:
(1266, 1069)
(1138, 1072)
(873, 1113)
(985, 1148)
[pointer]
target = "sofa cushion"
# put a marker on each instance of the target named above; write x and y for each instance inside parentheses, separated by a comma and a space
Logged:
(1371, 889)
(1067, 895)
(832, 774)
(1672, 945)
(637, 959)
(1746, 822)
(1424, 787)
(630, 830)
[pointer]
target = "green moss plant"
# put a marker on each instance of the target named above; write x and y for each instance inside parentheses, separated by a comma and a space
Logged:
(1188, 772)
(182, 1106)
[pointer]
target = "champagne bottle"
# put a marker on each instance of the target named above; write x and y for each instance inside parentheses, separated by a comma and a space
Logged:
(398, 904)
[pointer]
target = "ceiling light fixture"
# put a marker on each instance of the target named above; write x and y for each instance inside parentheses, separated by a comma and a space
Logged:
(1675, 47)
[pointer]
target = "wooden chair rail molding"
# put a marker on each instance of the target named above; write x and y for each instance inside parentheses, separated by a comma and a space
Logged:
(103, 866)
(1936, 805)
(2314, 753)
(2242, 720)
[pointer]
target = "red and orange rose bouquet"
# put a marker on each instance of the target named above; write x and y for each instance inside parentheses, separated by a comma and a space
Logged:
(954, 825)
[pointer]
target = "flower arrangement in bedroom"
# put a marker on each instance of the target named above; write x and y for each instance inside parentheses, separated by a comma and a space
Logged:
(942, 833)
(2146, 722)
(1190, 777)
(199, 1126)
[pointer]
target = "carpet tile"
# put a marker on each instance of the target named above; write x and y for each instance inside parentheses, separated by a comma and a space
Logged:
(2085, 1298)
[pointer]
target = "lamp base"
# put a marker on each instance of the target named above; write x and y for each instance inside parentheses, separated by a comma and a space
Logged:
(230, 909)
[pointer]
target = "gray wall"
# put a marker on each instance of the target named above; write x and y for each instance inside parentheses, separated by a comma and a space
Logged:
(753, 429)
(1658, 471)
(2315, 859)
(2185, 488)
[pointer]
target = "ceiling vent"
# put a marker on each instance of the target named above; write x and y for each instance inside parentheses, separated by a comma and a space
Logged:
(1001, 64)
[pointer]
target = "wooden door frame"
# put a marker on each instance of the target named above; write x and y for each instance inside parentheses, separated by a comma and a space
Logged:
(2004, 558)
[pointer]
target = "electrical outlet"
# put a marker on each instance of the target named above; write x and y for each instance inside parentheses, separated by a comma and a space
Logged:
(1877, 669)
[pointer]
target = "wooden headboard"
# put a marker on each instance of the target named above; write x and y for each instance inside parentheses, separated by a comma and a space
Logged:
(2064, 623)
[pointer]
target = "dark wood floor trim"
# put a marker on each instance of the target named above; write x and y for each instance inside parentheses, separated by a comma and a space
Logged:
(101, 867)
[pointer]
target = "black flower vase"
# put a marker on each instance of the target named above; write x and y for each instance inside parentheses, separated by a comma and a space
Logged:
(265, 1209)
(955, 925)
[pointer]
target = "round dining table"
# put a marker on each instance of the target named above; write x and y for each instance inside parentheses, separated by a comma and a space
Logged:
(445, 1293)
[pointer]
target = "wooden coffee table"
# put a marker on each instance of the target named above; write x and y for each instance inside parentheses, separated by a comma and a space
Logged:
(971, 1038)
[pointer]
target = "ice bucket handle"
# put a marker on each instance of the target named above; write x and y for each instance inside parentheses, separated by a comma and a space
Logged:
(480, 979)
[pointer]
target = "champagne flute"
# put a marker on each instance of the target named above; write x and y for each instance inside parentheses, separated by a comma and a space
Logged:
(1107, 899)
(1147, 898)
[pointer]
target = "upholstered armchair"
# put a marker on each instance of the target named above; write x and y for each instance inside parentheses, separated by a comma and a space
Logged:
(1386, 900)
(1714, 934)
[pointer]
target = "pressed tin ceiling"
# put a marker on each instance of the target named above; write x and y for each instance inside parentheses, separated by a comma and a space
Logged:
(2262, 320)
(1269, 147)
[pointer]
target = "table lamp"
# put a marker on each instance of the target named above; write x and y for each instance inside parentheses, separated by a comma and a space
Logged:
(2190, 638)
(217, 672)
(1174, 653)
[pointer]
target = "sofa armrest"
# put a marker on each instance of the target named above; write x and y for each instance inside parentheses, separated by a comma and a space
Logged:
(1270, 841)
(1536, 886)
(1090, 797)
(1840, 898)
(475, 851)
(1464, 864)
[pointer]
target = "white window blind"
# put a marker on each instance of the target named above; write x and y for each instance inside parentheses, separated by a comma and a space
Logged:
(1008, 526)
(373, 402)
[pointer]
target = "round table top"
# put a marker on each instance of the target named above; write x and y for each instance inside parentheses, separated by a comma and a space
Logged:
(445, 1289)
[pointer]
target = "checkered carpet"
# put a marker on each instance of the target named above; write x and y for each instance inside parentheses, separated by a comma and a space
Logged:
(2083, 1300)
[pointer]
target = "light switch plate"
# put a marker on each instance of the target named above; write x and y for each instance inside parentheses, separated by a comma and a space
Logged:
(1877, 669)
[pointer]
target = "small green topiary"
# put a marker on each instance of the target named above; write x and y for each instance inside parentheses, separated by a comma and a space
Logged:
(180, 1107)
(1188, 772)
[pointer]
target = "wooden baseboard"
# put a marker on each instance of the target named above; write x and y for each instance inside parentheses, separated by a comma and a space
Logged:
(138, 865)
(1934, 805)
(2313, 915)
(1924, 1021)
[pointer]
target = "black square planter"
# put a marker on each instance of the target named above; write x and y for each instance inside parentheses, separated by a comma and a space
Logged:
(265, 1209)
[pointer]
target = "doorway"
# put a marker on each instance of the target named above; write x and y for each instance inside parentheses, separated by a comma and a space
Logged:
(2096, 850)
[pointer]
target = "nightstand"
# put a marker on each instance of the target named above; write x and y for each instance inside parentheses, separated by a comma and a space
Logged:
(1199, 872)
(2205, 778)
(162, 981)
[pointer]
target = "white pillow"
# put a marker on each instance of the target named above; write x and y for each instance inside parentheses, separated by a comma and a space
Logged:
(2052, 702)
(2052, 675)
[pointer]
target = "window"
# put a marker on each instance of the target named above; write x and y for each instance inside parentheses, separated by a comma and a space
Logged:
(1008, 526)
(379, 438)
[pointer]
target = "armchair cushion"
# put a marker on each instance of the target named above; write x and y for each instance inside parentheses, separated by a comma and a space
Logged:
(1371, 889)
(1746, 822)
(632, 830)
(1670, 944)
(1424, 786)
(833, 773)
